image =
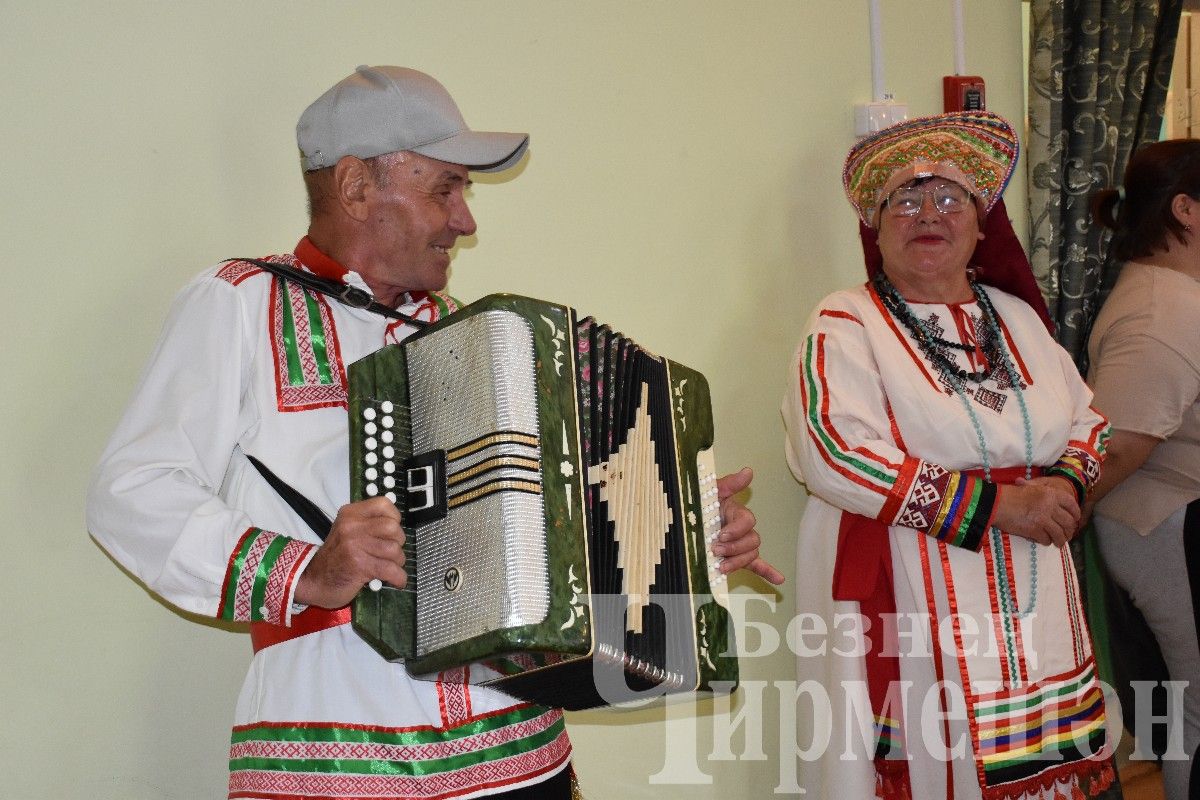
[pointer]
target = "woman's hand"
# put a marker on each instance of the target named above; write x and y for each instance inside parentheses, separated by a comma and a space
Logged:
(1043, 510)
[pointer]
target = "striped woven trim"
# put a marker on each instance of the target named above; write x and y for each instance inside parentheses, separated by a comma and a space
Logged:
(965, 512)
(234, 272)
(858, 464)
(888, 736)
(1080, 462)
(1004, 609)
(446, 304)
(1023, 733)
(951, 506)
(305, 759)
(259, 577)
(308, 365)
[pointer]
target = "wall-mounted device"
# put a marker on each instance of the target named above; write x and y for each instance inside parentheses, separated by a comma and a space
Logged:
(963, 93)
(883, 110)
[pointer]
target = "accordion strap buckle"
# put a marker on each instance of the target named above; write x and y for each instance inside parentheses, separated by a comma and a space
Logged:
(355, 297)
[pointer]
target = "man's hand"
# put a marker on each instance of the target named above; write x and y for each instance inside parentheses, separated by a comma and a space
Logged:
(1043, 510)
(738, 541)
(366, 542)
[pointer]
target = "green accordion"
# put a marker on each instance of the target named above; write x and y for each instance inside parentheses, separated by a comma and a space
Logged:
(558, 491)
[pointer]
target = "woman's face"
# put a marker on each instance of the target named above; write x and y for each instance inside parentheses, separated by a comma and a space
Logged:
(926, 255)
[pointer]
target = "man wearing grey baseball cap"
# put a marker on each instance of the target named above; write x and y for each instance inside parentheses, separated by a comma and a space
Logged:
(217, 487)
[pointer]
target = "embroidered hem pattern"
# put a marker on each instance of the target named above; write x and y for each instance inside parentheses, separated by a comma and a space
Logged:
(1030, 738)
(299, 759)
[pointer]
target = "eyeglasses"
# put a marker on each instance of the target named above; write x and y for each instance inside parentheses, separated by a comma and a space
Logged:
(948, 198)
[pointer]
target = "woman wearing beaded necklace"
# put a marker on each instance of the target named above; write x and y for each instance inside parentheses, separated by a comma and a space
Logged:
(1145, 369)
(947, 444)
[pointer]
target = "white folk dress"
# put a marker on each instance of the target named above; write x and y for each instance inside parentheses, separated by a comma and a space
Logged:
(251, 365)
(875, 430)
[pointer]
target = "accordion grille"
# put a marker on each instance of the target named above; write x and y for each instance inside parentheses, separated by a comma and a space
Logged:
(474, 395)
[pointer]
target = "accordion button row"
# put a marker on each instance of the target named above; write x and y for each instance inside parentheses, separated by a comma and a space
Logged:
(373, 450)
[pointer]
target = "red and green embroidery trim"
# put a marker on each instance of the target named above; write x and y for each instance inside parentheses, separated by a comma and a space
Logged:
(308, 365)
(258, 580)
(300, 759)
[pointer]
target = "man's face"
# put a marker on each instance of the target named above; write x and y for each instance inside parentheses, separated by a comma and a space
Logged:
(417, 212)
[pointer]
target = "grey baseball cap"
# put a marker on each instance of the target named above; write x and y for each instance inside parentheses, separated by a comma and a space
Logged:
(381, 110)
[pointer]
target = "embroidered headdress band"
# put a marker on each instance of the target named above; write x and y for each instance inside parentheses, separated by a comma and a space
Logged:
(975, 148)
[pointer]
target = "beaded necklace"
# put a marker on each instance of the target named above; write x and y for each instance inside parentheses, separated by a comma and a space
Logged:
(996, 354)
(932, 345)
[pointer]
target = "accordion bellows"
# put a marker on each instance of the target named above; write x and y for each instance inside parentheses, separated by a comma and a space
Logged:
(558, 491)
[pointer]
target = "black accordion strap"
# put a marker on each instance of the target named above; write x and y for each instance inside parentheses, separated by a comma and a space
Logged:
(346, 295)
(305, 508)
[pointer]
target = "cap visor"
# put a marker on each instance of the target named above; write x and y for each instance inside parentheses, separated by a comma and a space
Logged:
(478, 150)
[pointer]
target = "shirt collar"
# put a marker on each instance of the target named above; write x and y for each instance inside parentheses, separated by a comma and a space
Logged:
(321, 264)
(312, 257)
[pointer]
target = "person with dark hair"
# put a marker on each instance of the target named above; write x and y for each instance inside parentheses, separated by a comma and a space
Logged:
(1145, 370)
(947, 444)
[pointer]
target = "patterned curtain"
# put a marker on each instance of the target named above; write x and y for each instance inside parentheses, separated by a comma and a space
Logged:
(1098, 74)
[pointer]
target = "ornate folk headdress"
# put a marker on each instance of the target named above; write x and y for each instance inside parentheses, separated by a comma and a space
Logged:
(977, 149)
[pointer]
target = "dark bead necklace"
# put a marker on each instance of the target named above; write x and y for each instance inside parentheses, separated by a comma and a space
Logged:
(932, 346)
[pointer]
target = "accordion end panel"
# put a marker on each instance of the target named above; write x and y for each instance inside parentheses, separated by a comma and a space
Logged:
(495, 390)
(532, 655)
(378, 399)
(716, 650)
(501, 576)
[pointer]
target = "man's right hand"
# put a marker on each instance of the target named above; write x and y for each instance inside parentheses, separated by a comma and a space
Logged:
(366, 542)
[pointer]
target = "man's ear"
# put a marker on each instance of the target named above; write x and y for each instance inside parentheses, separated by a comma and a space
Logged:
(351, 180)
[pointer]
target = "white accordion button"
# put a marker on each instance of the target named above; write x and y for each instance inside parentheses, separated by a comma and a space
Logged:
(386, 406)
(371, 459)
(388, 422)
(368, 414)
(371, 473)
(386, 436)
(372, 489)
(389, 482)
(370, 443)
(370, 428)
(389, 467)
(389, 452)
(391, 496)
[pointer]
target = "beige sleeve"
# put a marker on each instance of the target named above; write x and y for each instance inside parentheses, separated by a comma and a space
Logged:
(1142, 385)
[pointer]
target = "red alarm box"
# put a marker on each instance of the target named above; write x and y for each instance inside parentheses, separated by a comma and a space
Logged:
(963, 93)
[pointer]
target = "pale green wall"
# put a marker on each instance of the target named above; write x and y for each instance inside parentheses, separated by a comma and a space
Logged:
(683, 184)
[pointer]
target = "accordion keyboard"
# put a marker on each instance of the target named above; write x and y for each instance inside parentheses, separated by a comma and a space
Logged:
(706, 471)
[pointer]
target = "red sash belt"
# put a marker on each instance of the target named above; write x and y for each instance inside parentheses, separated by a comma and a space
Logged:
(310, 620)
(862, 571)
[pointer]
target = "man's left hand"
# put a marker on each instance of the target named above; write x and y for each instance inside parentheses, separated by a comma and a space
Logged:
(738, 541)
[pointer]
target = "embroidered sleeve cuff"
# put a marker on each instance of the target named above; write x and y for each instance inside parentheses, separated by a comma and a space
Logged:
(261, 576)
(951, 506)
(1072, 476)
(292, 607)
(1080, 467)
